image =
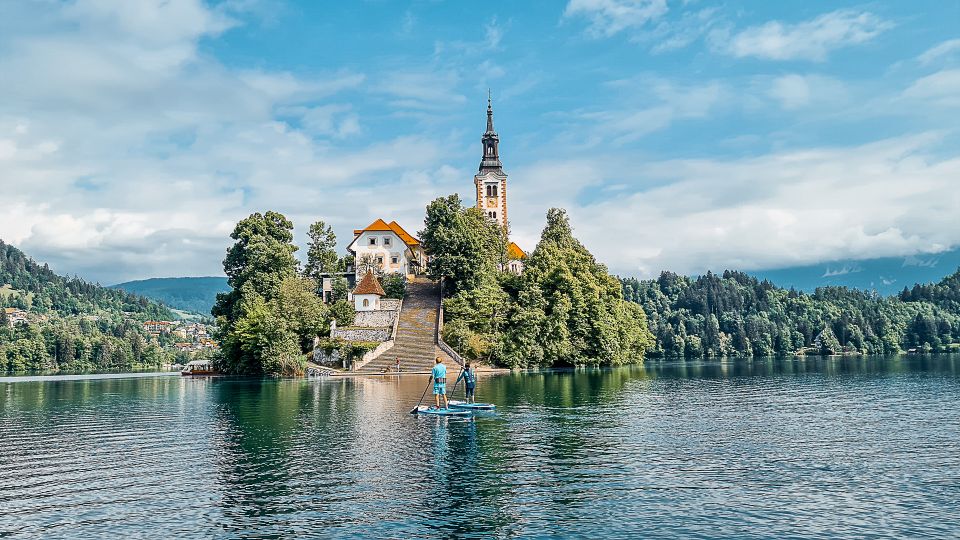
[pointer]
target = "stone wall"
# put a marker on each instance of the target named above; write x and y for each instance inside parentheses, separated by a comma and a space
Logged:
(353, 333)
(375, 319)
(324, 359)
(390, 304)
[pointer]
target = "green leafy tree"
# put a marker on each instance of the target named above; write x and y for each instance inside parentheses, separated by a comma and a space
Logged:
(256, 265)
(465, 247)
(339, 290)
(343, 312)
(395, 285)
(321, 251)
(302, 311)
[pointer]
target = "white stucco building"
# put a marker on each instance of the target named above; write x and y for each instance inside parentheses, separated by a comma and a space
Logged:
(388, 246)
(367, 295)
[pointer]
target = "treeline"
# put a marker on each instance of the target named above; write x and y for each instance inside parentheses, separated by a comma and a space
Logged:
(735, 314)
(78, 345)
(36, 288)
(72, 324)
(565, 309)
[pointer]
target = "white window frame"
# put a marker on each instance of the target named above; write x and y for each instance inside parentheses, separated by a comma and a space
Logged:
(387, 241)
(372, 241)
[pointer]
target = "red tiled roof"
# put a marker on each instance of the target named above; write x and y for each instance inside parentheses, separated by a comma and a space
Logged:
(369, 285)
(514, 252)
(378, 225)
(394, 227)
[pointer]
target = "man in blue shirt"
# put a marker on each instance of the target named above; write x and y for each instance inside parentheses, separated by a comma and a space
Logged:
(439, 376)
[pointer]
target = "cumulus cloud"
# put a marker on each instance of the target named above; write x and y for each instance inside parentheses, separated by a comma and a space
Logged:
(808, 40)
(889, 198)
(143, 166)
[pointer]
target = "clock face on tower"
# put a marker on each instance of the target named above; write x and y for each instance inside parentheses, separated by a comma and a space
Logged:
(491, 202)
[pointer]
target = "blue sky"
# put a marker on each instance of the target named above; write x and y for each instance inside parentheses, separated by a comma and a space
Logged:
(685, 135)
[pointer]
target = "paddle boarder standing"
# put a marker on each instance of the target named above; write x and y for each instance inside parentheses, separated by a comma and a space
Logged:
(439, 376)
(469, 377)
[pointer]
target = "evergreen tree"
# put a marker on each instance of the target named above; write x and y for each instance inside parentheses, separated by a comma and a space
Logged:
(321, 251)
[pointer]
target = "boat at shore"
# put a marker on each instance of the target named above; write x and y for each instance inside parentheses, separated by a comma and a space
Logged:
(196, 368)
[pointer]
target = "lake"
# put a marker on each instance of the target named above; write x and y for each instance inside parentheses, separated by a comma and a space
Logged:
(815, 448)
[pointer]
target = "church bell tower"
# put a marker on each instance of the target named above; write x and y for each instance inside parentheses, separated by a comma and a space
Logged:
(491, 181)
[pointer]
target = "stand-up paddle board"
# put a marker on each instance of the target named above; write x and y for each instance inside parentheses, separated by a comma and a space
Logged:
(423, 409)
(463, 405)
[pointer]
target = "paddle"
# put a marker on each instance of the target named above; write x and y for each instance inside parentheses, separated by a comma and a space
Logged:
(455, 383)
(414, 410)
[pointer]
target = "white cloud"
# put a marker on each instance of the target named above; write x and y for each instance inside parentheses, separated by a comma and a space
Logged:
(610, 17)
(941, 50)
(888, 198)
(842, 271)
(126, 153)
(662, 103)
(796, 91)
(941, 88)
(808, 40)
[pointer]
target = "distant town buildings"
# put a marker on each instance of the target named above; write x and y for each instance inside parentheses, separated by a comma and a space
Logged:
(15, 316)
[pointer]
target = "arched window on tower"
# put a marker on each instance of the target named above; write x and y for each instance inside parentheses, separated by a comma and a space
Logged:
(494, 191)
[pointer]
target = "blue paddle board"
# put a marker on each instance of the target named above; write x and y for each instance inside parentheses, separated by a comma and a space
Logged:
(471, 406)
(423, 409)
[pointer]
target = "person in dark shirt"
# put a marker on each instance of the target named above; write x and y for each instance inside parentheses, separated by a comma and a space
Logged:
(469, 378)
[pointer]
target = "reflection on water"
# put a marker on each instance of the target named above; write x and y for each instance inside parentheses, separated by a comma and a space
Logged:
(808, 448)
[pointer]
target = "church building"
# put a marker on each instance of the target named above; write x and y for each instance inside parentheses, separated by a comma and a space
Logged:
(491, 184)
(491, 181)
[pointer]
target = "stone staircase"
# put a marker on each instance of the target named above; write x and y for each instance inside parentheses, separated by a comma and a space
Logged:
(415, 343)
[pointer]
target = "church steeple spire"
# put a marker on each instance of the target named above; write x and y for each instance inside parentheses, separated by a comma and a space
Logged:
(489, 113)
(491, 143)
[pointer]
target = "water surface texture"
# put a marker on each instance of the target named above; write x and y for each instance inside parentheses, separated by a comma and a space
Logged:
(747, 449)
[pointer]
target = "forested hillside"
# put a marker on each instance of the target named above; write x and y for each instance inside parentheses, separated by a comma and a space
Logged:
(70, 323)
(194, 294)
(737, 315)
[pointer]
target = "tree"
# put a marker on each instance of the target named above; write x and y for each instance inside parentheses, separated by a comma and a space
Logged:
(343, 312)
(321, 251)
(302, 311)
(395, 285)
(464, 245)
(257, 264)
(339, 289)
(369, 263)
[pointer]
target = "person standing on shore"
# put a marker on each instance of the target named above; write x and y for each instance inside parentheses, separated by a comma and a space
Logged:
(398, 365)
(439, 376)
(469, 377)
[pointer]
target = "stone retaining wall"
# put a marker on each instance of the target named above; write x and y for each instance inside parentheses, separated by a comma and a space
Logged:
(353, 333)
(380, 318)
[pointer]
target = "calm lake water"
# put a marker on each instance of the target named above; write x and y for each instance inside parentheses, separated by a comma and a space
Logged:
(742, 449)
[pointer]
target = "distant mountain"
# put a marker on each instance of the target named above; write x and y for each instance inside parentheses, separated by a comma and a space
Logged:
(194, 294)
(885, 275)
(28, 285)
